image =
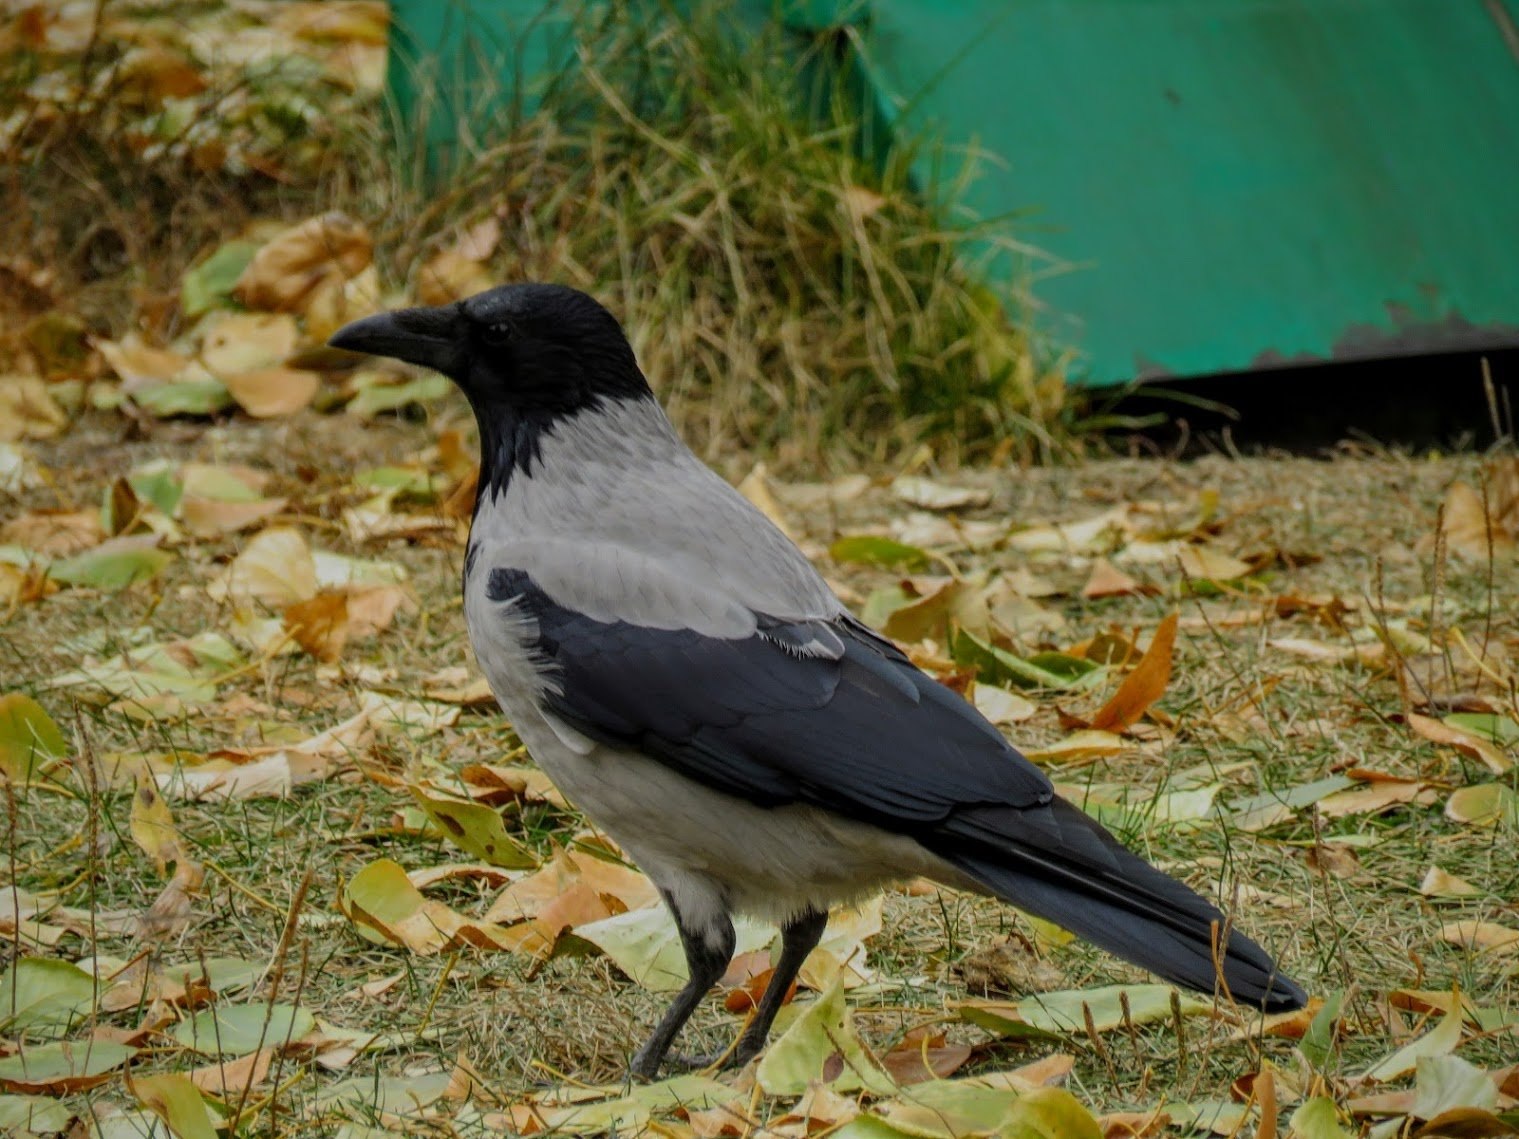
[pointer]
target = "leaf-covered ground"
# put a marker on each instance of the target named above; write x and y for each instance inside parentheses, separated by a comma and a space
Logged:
(273, 865)
(272, 859)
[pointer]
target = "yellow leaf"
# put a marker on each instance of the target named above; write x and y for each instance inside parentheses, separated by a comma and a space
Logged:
(152, 825)
(1210, 564)
(176, 1100)
(27, 410)
(276, 568)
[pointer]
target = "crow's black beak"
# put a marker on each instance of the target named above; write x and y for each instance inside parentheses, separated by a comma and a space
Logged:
(434, 338)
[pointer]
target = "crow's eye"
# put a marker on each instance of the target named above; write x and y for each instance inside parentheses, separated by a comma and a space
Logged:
(496, 334)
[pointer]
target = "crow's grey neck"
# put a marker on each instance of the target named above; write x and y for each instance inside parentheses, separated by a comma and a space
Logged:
(547, 471)
(513, 441)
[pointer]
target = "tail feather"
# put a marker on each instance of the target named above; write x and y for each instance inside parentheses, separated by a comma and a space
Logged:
(1120, 902)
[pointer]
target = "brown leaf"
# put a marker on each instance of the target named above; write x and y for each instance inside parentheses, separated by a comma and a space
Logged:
(284, 273)
(54, 532)
(227, 1078)
(450, 276)
(1109, 581)
(1473, 523)
(1133, 1124)
(1467, 743)
(212, 517)
(1382, 795)
(923, 1055)
(320, 625)
(27, 410)
(1142, 687)
(1484, 936)
(169, 915)
(265, 393)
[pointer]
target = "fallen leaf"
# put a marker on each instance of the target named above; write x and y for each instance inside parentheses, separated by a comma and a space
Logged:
(285, 272)
(1468, 743)
(62, 1069)
(1066, 1011)
(152, 825)
(1438, 883)
(924, 1055)
(44, 997)
(176, 1100)
(1475, 523)
(1207, 564)
(756, 488)
(1001, 706)
(1439, 1041)
(1382, 795)
(916, 490)
(381, 899)
(266, 393)
(233, 343)
(235, 1030)
(883, 553)
(450, 276)
(1484, 805)
(1481, 936)
(226, 1078)
(1142, 687)
(114, 565)
(28, 410)
(30, 742)
(821, 1046)
(473, 827)
(275, 568)
(1107, 580)
(54, 532)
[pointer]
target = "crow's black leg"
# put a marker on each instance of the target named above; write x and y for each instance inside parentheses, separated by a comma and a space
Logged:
(708, 952)
(799, 937)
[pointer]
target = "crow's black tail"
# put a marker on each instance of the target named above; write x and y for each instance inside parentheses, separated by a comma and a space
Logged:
(1057, 863)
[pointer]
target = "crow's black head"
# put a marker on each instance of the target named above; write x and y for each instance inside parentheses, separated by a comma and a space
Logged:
(517, 350)
(526, 356)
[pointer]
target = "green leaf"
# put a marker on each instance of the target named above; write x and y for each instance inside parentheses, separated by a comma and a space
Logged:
(474, 828)
(1317, 1119)
(110, 569)
(1063, 1011)
(1484, 805)
(157, 483)
(411, 482)
(1318, 1041)
(236, 1030)
(392, 1095)
(645, 944)
(29, 740)
(209, 284)
(883, 553)
(998, 666)
(821, 1043)
(631, 1113)
(1439, 1041)
(949, 1109)
(60, 1068)
(1489, 725)
(376, 399)
(175, 1100)
(183, 397)
(44, 995)
(35, 1115)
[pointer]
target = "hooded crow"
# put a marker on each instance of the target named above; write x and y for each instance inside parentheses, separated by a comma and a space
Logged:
(679, 669)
